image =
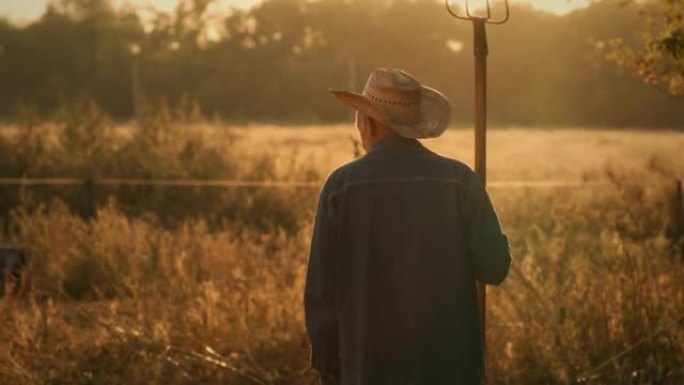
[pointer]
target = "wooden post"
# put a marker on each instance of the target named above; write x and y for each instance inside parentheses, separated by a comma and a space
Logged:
(135, 82)
(12, 264)
(351, 79)
(678, 212)
(90, 203)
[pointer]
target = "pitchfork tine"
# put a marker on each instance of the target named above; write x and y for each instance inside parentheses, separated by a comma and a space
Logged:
(454, 14)
(508, 14)
(468, 10)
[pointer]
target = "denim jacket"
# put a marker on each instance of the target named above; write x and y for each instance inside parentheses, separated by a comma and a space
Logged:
(400, 237)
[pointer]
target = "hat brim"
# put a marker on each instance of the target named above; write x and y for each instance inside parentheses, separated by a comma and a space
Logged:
(360, 103)
(433, 119)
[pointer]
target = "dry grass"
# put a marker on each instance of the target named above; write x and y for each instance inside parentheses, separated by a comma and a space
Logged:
(516, 153)
(122, 299)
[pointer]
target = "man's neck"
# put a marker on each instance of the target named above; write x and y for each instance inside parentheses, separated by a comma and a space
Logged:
(374, 141)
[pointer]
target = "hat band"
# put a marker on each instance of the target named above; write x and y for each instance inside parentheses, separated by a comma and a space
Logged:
(398, 111)
(390, 102)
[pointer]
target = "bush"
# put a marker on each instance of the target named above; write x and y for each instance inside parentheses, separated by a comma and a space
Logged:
(152, 300)
(83, 143)
(188, 285)
(593, 274)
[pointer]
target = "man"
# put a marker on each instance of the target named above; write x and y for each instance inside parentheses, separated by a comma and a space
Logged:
(400, 237)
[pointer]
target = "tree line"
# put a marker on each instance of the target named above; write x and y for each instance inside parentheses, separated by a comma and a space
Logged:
(275, 61)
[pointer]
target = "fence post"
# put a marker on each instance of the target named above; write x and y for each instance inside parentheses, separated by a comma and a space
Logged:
(12, 265)
(89, 190)
(678, 213)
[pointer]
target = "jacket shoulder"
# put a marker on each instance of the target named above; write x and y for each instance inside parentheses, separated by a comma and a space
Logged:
(453, 168)
(337, 178)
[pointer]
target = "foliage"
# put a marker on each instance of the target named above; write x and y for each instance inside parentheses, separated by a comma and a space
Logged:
(83, 143)
(150, 299)
(659, 60)
(594, 274)
(274, 62)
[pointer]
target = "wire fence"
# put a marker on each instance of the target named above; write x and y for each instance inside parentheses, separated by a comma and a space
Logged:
(590, 375)
(156, 182)
(259, 183)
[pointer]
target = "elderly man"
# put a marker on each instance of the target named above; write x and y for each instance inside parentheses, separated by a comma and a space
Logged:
(400, 237)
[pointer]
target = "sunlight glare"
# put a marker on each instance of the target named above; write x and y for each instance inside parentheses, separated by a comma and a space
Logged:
(559, 7)
(28, 10)
(455, 46)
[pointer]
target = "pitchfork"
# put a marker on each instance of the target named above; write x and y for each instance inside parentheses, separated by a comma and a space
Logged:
(481, 50)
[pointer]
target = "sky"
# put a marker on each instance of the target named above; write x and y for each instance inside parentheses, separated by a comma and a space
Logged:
(28, 10)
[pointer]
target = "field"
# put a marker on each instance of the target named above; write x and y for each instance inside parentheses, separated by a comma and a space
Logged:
(193, 285)
(515, 153)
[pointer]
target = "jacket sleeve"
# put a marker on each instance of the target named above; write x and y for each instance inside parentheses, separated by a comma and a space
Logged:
(320, 293)
(489, 250)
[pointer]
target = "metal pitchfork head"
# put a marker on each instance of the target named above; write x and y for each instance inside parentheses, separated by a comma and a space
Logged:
(479, 22)
(485, 19)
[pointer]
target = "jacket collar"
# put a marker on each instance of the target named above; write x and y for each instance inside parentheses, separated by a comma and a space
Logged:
(397, 143)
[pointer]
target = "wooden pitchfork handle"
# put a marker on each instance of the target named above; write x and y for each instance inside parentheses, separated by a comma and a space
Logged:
(481, 50)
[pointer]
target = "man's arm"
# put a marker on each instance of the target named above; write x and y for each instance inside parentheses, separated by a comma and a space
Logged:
(490, 254)
(320, 293)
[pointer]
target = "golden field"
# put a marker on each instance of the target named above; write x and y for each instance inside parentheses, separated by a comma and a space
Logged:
(514, 153)
(204, 285)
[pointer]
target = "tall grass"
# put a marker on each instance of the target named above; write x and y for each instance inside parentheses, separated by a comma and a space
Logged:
(148, 297)
(129, 294)
(81, 142)
(595, 277)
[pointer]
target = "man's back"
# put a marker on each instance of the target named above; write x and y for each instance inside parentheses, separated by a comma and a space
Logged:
(400, 236)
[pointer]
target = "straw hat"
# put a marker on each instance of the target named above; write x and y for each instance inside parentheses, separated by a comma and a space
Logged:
(397, 99)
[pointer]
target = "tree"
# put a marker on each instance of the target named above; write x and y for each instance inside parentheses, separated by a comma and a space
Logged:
(660, 58)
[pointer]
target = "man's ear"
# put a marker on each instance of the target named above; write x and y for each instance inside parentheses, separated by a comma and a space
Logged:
(361, 120)
(372, 126)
